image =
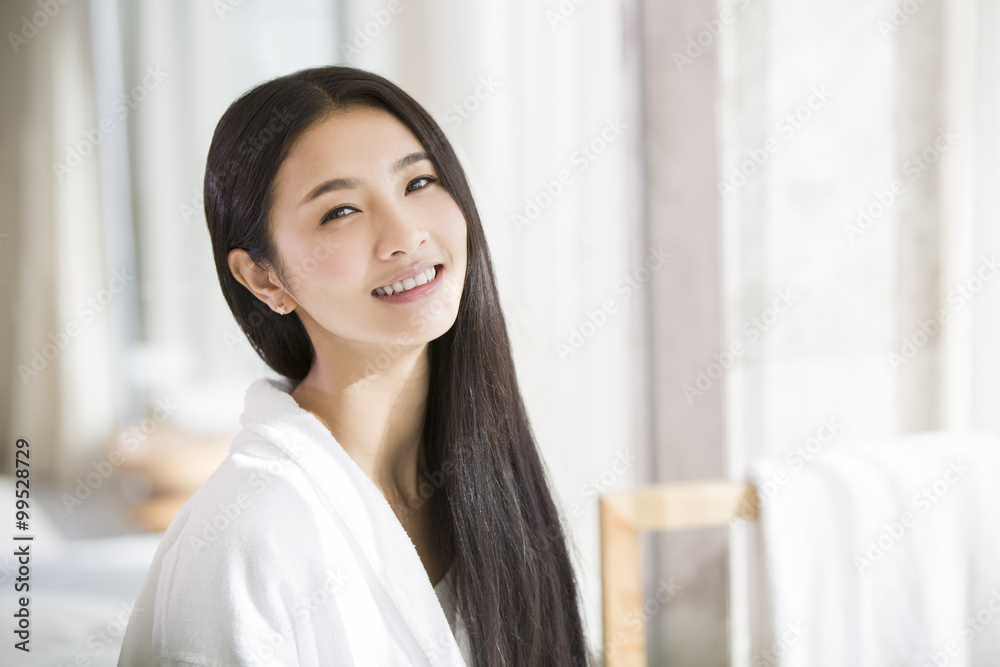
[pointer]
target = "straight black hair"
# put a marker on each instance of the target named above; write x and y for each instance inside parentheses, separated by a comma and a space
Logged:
(514, 582)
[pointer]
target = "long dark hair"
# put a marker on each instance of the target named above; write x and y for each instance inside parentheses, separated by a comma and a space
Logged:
(499, 527)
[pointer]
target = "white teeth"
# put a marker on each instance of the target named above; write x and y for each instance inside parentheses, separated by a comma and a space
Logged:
(421, 278)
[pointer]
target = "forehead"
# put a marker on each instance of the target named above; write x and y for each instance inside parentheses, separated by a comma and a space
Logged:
(355, 142)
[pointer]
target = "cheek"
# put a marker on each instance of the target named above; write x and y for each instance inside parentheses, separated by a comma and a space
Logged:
(456, 230)
(454, 226)
(325, 264)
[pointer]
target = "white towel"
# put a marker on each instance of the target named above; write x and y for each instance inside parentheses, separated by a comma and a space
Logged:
(288, 555)
(883, 554)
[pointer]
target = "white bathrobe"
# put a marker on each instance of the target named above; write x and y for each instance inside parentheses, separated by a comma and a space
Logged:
(290, 555)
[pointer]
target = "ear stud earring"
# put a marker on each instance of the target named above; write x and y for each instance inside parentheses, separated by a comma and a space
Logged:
(281, 310)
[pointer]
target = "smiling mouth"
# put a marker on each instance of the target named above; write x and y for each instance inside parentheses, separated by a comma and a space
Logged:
(414, 284)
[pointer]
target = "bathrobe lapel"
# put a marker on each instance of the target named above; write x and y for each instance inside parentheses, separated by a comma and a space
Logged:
(395, 575)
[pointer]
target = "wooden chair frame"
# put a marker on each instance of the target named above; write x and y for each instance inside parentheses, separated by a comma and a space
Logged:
(656, 507)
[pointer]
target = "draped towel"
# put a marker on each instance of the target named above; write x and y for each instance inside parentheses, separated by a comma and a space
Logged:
(884, 553)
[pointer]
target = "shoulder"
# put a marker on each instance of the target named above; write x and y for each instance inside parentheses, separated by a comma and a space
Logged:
(250, 542)
(251, 504)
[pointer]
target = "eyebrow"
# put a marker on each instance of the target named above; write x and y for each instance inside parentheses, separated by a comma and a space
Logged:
(348, 183)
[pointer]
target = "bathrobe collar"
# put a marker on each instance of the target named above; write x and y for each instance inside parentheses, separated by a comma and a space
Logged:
(397, 577)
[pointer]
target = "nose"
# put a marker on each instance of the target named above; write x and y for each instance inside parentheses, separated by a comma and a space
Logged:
(397, 231)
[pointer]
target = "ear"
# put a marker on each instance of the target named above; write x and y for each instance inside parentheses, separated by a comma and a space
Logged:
(263, 284)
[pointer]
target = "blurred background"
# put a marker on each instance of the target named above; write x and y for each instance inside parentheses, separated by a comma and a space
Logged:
(716, 226)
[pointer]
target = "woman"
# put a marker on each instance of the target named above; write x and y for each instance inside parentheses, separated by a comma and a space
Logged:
(385, 502)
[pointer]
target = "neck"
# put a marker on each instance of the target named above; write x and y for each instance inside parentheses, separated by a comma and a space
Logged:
(377, 415)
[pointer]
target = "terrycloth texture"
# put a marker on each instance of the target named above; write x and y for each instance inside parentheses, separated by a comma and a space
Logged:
(884, 554)
(288, 555)
(446, 596)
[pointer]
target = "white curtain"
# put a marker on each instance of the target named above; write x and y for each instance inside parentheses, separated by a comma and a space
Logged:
(877, 209)
(203, 55)
(59, 293)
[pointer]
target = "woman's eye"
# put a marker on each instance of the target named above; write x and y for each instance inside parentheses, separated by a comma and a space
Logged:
(338, 212)
(420, 183)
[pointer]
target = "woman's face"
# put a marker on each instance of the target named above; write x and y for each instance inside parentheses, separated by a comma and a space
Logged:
(357, 206)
